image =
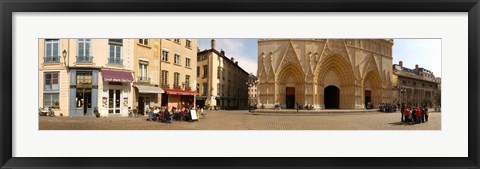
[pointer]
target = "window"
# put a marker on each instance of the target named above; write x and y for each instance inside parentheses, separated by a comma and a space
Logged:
(176, 59)
(176, 79)
(223, 89)
(51, 90)
(143, 71)
(165, 55)
(143, 41)
(51, 100)
(205, 71)
(164, 77)
(205, 89)
(218, 72)
(176, 40)
(414, 83)
(187, 62)
(218, 88)
(52, 51)
(223, 74)
(115, 46)
(198, 71)
(84, 79)
(404, 82)
(188, 43)
(187, 82)
(51, 81)
(84, 50)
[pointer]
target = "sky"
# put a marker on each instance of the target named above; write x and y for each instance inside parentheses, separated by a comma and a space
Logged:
(243, 50)
(427, 53)
(424, 52)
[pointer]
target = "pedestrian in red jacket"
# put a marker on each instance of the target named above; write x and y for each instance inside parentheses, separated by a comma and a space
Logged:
(418, 114)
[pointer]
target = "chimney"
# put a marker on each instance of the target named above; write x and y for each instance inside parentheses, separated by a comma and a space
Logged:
(400, 63)
(213, 44)
(236, 62)
(233, 59)
(222, 52)
(416, 66)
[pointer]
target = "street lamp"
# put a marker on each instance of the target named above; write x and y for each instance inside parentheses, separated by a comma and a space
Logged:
(64, 54)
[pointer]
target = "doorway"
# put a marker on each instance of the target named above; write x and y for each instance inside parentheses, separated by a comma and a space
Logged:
(290, 97)
(83, 100)
(114, 101)
(332, 97)
(368, 99)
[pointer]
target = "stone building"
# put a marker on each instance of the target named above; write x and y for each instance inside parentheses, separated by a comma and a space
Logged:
(252, 90)
(416, 87)
(147, 91)
(325, 73)
(221, 81)
(177, 64)
(78, 75)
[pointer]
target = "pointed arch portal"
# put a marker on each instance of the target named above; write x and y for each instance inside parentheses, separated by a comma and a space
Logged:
(332, 97)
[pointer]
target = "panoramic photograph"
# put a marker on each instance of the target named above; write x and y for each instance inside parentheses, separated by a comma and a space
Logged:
(239, 84)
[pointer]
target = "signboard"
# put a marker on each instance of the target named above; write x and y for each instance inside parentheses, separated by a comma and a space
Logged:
(193, 113)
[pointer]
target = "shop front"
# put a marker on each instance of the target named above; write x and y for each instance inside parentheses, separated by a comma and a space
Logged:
(83, 92)
(178, 98)
(147, 96)
(116, 92)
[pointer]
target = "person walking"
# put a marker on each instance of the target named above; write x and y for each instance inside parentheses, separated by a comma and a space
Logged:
(406, 114)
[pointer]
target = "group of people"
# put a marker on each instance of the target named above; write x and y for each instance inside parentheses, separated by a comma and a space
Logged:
(414, 114)
(387, 107)
(164, 115)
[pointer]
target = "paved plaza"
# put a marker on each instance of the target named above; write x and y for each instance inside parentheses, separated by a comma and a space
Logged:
(244, 120)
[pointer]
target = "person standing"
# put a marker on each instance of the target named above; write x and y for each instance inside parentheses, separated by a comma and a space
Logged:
(418, 115)
(403, 119)
(405, 114)
(426, 114)
(414, 114)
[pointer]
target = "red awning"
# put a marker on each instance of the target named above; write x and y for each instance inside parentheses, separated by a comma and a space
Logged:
(180, 92)
(117, 76)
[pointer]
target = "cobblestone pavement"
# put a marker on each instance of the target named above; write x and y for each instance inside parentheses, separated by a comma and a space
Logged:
(243, 120)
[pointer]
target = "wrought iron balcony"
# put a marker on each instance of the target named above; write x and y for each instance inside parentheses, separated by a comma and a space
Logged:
(115, 61)
(143, 79)
(85, 59)
(51, 59)
(177, 87)
(165, 86)
(188, 88)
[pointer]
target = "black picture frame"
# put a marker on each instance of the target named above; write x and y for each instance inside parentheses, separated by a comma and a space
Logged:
(7, 7)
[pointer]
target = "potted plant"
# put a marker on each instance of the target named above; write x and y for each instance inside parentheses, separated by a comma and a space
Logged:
(97, 114)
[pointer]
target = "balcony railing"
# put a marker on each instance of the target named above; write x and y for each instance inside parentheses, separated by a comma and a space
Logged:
(115, 61)
(188, 88)
(85, 59)
(51, 59)
(143, 79)
(177, 87)
(165, 86)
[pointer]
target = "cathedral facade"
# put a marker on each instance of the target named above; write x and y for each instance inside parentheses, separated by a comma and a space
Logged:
(324, 73)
